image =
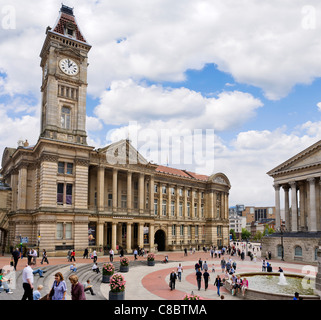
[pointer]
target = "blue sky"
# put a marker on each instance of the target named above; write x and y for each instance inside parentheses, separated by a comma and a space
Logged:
(248, 71)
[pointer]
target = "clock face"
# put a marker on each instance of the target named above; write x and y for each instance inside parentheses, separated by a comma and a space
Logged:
(68, 66)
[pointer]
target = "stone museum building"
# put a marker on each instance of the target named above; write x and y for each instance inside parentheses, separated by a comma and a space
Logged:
(298, 182)
(61, 193)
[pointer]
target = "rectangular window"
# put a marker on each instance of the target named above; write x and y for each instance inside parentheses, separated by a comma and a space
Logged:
(68, 193)
(155, 207)
(181, 192)
(174, 230)
(65, 167)
(110, 200)
(188, 193)
(124, 201)
(60, 230)
(195, 209)
(189, 229)
(181, 230)
(181, 209)
(188, 209)
(68, 230)
(64, 193)
(65, 118)
(61, 167)
(164, 189)
(69, 168)
(172, 191)
(196, 231)
(155, 188)
(202, 210)
(164, 206)
(173, 208)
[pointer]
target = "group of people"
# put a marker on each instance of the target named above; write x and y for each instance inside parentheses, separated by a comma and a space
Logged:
(58, 289)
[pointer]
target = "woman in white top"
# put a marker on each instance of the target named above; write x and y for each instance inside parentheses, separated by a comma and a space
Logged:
(179, 272)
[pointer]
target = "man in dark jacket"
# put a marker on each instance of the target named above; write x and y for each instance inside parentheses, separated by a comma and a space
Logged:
(16, 256)
(172, 279)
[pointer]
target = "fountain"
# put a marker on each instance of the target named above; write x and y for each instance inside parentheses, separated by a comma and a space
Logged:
(282, 280)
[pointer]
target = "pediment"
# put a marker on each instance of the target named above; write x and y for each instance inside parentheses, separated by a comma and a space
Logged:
(308, 158)
(220, 178)
(122, 152)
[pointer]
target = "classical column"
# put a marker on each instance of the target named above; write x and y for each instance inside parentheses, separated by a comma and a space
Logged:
(100, 188)
(277, 206)
(313, 211)
(129, 237)
(141, 193)
(114, 236)
(119, 234)
(226, 206)
(141, 235)
(129, 191)
(169, 205)
(177, 202)
(302, 222)
(294, 207)
(185, 203)
(151, 238)
(286, 207)
(211, 204)
(100, 235)
(199, 204)
(160, 200)
(22, 188)
(151, 195)
(115, 177)
(192, 204)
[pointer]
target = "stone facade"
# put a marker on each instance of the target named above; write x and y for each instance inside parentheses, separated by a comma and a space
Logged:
(66, 194)
(299, 180)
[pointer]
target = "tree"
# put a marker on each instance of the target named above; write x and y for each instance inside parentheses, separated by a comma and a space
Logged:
(245, 234)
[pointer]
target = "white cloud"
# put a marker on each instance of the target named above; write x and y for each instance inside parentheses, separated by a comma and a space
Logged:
(319, 106)
(128, 101)
(266, 45)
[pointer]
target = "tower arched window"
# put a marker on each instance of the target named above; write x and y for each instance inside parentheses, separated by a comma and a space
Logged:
(65, 118)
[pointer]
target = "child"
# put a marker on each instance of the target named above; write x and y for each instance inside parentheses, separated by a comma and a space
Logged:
(73, 267)
(36, 293)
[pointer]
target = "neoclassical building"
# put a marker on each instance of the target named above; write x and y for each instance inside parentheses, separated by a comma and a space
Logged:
(64, 194)
(298, 182)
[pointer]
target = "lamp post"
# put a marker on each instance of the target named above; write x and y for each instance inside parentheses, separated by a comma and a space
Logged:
(281, 230)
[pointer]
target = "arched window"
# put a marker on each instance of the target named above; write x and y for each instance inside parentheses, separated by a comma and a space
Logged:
(65, 118)
(298, 251)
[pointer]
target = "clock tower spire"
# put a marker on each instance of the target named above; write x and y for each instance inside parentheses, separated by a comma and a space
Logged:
(64, 83)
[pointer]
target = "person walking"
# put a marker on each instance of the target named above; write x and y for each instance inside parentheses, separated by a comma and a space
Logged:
(172, 280)
(223, 265)
(59, 287)
(185, 252)
(85, 255)
(27, 283)
(206, 277)
(263, 265)
(135, 254)
(199, 279)
(72, 256)
(95, 255)
(77, 289)
(205, 266)
(16, 257)
(69, 256)
(111, 255)
(179, 272)
(200, 263)
(218, 284)
(44, 257)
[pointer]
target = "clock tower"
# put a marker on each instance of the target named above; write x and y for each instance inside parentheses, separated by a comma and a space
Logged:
(64, 82)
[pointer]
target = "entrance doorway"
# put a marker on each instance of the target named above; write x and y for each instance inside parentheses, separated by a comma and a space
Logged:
(160, 240)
